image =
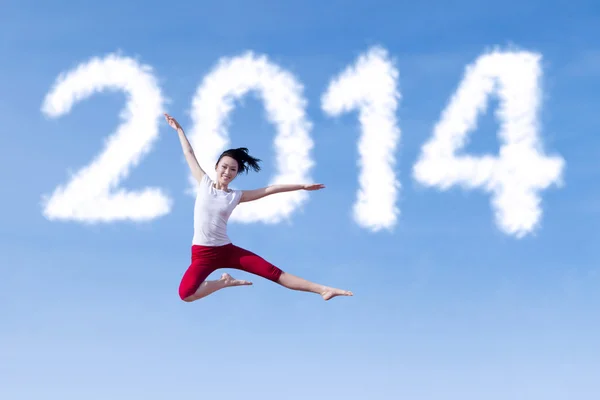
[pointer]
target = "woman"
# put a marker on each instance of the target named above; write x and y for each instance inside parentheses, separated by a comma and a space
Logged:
(211, 247)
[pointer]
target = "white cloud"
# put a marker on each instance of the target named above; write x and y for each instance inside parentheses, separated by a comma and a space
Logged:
(371, 88)
(285, 105)
(92, 194)
(521, 170)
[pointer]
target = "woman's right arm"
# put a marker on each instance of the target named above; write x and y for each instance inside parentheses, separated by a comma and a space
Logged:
(188, 151)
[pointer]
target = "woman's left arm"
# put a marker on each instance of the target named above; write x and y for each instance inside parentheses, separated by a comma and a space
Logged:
(251, 195)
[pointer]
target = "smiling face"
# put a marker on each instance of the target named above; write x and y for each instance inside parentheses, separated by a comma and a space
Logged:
(227, 170)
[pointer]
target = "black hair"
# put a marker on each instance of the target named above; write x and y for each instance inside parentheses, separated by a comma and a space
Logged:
(245, 161)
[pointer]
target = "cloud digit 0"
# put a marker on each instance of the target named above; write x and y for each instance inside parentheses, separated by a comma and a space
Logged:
(284, 104)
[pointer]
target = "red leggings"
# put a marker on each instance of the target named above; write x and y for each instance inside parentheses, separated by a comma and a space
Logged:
(207, 259)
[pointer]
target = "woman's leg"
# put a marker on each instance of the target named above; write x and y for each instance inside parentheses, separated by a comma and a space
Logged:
(296, 283)
(205, 260)
(209, 287)
(247, 261)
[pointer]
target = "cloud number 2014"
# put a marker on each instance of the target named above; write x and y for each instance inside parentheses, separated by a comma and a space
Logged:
(515, 178)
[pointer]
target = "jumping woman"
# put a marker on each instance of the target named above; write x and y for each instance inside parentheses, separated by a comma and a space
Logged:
(211, 247)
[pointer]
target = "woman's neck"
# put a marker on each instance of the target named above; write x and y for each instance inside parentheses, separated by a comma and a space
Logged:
(219, 186)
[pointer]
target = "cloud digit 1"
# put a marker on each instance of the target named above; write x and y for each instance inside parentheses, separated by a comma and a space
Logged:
(370, 86)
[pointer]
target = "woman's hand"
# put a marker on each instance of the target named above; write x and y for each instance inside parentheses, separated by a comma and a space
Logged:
(172, 122)
(313, 186)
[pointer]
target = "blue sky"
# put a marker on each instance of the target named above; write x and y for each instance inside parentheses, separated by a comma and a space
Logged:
(446, 305)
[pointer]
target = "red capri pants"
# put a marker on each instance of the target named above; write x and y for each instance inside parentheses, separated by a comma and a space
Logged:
(207, 259)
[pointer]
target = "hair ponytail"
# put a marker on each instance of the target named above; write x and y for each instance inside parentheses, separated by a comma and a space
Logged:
(245, 161)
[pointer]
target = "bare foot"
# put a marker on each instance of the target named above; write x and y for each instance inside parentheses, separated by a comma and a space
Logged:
(330, 293)
(228, 280)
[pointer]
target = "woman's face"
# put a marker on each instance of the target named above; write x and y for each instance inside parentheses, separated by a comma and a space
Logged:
(227, 170)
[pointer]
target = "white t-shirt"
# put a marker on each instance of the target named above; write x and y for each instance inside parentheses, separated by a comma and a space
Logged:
(211, 213)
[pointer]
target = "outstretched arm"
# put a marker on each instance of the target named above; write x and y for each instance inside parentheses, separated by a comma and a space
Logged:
(188, 151)
(250, 195)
